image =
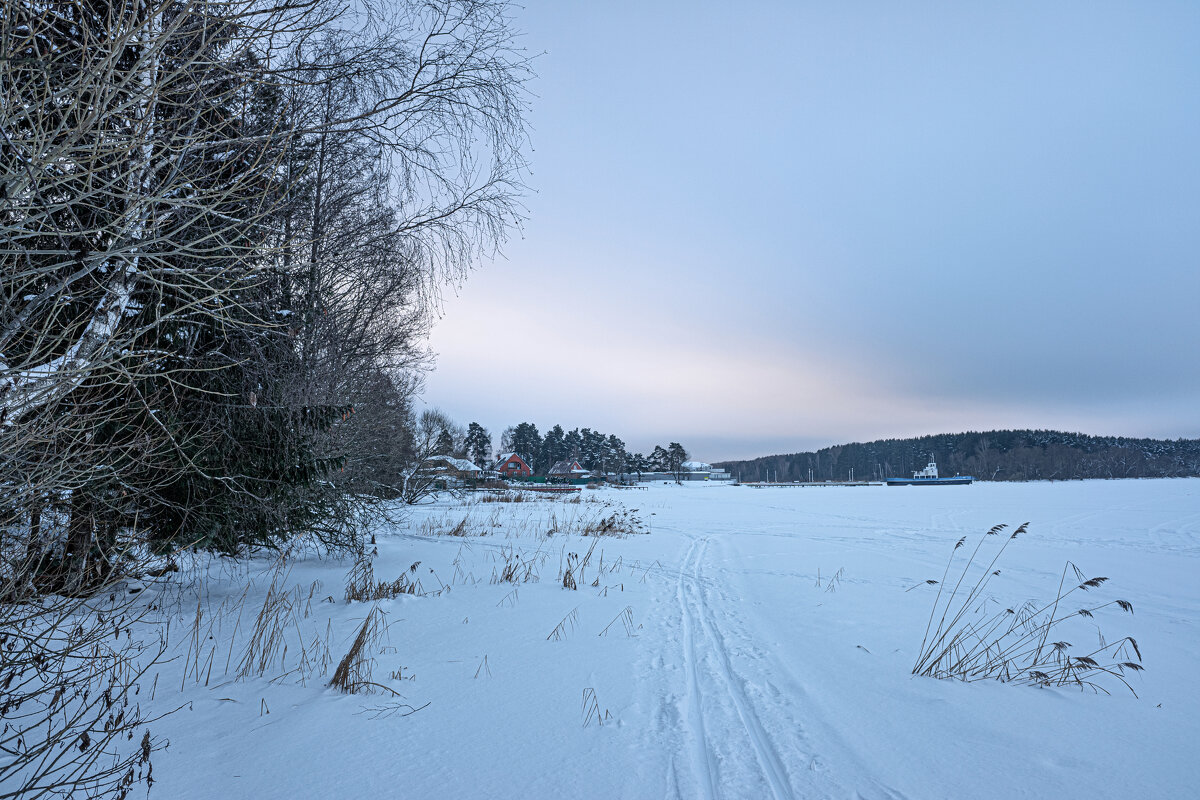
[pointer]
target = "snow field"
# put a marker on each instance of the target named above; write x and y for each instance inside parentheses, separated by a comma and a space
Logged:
(755, 643)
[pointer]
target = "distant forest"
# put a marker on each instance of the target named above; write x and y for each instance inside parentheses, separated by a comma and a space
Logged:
(992, 456)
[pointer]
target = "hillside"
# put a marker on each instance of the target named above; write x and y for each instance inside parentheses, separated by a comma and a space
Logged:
(1010, 455)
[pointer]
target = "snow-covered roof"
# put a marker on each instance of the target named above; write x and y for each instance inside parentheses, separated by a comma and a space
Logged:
(504, 457)
(696, 466)
(460, 464)
(567, 466)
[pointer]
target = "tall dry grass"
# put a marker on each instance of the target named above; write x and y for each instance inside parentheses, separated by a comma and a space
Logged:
(362, 587)
(353, 673)
(1024, 644)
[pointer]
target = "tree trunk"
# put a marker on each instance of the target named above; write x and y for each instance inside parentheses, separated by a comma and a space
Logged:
(80, 526)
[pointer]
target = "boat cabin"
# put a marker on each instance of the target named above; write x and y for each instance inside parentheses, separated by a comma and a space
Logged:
(929, 473)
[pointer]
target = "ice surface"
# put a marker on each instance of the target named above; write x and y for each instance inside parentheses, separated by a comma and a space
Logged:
(756, 643)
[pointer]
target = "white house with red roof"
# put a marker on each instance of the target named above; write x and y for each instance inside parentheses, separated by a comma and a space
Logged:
(511, 465)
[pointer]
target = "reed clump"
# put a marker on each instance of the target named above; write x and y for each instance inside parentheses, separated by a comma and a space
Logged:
(572, 574)
(362, 587)
(506, 497)
(1024, 645)
(621, 522)
(514, 566)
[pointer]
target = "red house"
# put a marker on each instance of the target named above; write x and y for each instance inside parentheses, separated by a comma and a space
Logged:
(511, 465)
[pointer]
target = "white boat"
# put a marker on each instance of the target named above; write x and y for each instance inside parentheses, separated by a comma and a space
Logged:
(929, 477)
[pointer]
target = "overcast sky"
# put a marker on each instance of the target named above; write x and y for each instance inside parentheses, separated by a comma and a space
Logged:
(766, 227)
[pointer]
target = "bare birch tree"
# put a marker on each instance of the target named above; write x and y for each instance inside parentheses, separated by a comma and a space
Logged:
(223, 226)
(217, 213)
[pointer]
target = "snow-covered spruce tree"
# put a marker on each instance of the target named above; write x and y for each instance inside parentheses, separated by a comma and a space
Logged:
(243, 447)
(99, 199)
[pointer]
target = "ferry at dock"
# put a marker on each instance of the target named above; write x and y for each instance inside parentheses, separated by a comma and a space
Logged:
(929, 477)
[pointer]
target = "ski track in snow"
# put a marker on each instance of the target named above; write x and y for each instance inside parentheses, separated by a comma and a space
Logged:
(703, 764)
(697, 614)
(836, 769)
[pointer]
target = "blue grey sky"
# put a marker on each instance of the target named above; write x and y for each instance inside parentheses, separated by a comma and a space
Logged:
(764, 227)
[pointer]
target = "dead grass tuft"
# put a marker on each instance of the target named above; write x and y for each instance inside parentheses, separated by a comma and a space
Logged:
(353, 673)
(447, 526)
(590, 708)
(565, 626)
(517, 567)
(626, 620)
(268, 637)
(362, 587)
(574, 571)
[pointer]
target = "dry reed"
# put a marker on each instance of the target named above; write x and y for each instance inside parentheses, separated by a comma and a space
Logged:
(1019, 645)
(353, 673)
(362, 587)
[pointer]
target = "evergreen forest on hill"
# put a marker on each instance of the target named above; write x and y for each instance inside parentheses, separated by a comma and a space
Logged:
(1008, 455)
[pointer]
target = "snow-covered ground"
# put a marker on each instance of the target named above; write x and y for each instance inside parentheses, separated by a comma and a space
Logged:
(754, 643)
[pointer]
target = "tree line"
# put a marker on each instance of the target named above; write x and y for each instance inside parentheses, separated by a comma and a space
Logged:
(435, 434)
(595, 451)
(1005, 455)
(592, 449)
